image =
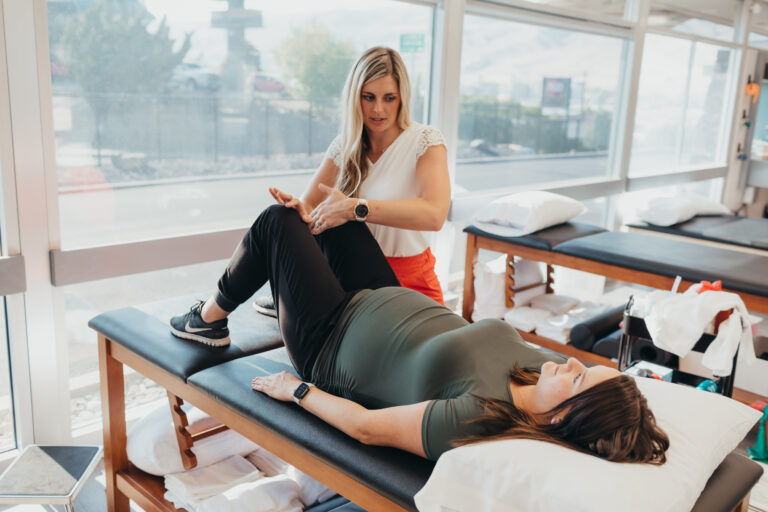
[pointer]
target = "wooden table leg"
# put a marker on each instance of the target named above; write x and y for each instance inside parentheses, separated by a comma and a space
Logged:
(113, 420)
(183, 437)
(468, 303)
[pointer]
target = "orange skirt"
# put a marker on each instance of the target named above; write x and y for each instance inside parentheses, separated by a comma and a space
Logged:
(418, 273)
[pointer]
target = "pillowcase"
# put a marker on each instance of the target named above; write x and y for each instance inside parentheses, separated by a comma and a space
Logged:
(665, 211)
(529, 475)
(152, 445)
(525, 212)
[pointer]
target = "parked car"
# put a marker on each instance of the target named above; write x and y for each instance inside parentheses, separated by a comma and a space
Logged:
(261, 84)
(193, 77)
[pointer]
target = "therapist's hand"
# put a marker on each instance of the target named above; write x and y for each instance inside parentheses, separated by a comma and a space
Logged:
(334, 211)
(289, 201)
(279, 386)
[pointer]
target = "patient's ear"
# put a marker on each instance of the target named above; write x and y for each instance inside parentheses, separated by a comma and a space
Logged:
(555, 420)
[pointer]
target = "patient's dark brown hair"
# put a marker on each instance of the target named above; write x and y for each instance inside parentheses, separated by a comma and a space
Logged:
(611, 420)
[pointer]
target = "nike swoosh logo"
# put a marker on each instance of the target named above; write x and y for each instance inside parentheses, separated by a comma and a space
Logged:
(189, 328)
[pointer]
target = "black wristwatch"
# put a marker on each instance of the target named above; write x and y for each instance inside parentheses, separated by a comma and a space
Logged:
(301, 391)
(361, 210)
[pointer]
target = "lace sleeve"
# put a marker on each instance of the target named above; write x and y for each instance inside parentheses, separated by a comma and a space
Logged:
(430, 136)
(334, 151)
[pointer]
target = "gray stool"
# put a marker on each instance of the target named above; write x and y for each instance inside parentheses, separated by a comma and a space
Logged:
(48, 475)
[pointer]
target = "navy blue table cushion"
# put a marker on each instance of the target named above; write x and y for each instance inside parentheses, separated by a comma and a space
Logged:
(730, 482)
(729, 229)
(145, 331)
(544, 239)
(393, 473)
(739, 270)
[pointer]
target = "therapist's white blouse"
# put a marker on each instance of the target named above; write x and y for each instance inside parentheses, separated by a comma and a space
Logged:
(393, 176)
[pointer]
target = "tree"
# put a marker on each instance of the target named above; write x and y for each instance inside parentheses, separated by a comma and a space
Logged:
(314, 63)
(110, 51)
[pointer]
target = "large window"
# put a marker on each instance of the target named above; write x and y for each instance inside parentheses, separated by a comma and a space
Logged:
(683, 106)
(174, 117)
(7, 431)
(708, 19)
(537, 103)
(168, 292)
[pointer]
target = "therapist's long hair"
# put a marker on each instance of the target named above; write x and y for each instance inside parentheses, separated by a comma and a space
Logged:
(610, 420)
(375, 63)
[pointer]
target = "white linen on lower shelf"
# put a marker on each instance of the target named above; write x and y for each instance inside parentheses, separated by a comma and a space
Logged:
(525, 318)
(259, 482)
(558, 327)
(197, 485)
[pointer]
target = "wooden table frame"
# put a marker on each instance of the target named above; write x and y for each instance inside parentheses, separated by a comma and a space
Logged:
(753, 302)
(124, 482)
(476, 242)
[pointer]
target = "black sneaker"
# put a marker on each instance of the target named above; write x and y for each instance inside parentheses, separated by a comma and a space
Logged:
(191, 326)
(265, 305)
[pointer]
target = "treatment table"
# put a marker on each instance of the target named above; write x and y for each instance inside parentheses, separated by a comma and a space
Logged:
(217, 381)
(626, 256)
(728, 231)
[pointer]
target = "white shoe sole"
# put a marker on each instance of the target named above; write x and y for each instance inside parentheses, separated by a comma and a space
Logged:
(223, 342)
(264, 311)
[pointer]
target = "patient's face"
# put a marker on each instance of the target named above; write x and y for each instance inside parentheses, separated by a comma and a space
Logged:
(559, 382)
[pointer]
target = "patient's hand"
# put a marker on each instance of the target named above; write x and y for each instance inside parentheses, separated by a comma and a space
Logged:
(279, 386)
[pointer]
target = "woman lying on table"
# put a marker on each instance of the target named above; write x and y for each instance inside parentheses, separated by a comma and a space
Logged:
(392, 367)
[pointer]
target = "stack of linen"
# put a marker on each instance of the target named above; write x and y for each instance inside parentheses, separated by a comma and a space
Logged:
(552, 316)
(233, 473)
(491, 282)
(237, 484)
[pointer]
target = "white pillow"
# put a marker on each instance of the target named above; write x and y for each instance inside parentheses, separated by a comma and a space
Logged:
(152, 445)
(525, 212)
(665, 211)
(529, 475)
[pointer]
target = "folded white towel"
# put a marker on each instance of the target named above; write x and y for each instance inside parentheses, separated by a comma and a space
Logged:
(193, 486)
(491, 282)
(274, 494)
(559, 327)
(269, 463)
(556, 304)
(525, 318)
(310, 490)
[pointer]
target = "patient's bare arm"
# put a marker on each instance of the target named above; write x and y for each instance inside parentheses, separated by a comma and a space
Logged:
(399, 427)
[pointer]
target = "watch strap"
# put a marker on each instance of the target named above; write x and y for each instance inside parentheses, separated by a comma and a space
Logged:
(298, 395)
(361, 210)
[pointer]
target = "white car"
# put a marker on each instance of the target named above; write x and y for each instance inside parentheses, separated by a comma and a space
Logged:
(192, 77)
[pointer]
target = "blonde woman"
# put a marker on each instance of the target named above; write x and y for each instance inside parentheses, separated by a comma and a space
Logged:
(384, 170)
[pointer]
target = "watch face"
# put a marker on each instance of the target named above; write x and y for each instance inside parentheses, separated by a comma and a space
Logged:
(361, 210)
(301, 391)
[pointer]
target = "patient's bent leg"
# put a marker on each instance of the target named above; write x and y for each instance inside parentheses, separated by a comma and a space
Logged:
(279, 248)
(356, 258)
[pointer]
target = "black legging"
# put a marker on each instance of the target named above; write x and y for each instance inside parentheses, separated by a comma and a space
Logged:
(312, 277)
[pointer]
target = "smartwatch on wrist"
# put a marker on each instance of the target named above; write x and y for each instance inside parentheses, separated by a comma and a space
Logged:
(301, 391)
(361, 210)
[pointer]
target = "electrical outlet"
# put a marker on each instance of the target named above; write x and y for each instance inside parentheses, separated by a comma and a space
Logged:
(749, 195)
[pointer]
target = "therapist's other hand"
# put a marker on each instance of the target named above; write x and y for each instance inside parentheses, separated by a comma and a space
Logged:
(279, 386)
(289, 201)
(334, 211)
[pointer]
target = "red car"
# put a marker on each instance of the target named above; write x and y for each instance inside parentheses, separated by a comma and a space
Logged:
(265, 84)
